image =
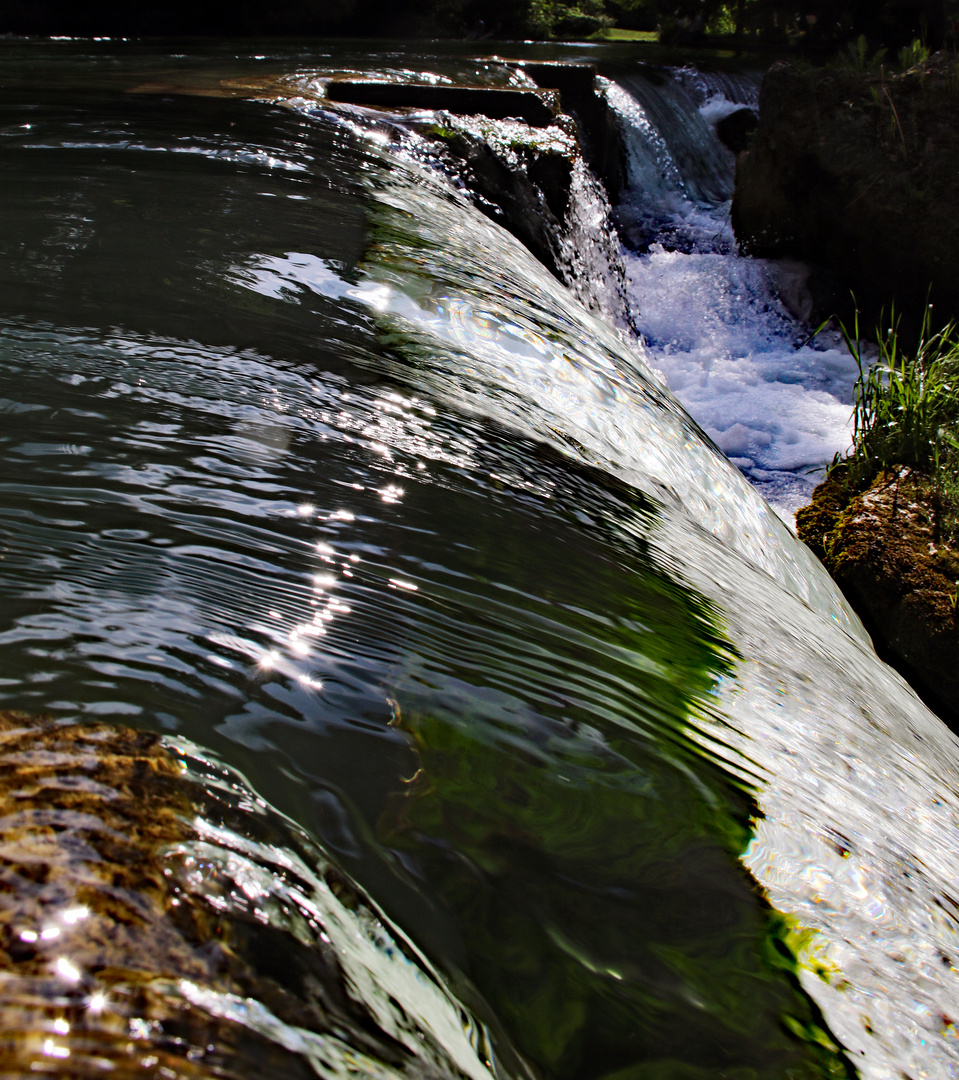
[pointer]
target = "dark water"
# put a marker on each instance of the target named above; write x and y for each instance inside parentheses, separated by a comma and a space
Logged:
(305, 461)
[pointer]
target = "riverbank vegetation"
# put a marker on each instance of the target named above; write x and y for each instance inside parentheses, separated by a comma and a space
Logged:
(886, 520)
(853, 170)
(906, 411)
(808, 25)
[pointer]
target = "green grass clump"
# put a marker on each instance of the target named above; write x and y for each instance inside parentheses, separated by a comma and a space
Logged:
(616, 34)
(858, 57)
(917, 52)
(907, 408)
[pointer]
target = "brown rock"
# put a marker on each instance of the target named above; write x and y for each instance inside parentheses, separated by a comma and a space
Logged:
(116, 902)
(882, 545)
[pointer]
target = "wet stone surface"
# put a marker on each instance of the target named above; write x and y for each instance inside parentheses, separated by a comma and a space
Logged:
(136, 933)
(881, 543)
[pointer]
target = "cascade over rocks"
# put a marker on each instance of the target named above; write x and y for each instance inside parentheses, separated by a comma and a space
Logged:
(518, 179)
(858, 172)
(535, 183)
(546, 184)
(539, 160)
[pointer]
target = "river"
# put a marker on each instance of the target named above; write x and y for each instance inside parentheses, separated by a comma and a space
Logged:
(311, 468)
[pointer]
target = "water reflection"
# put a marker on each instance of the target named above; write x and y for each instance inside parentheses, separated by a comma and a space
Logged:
(313, 607)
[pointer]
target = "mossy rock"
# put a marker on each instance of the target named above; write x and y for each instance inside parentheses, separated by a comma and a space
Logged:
(881, 542)
(128, 946)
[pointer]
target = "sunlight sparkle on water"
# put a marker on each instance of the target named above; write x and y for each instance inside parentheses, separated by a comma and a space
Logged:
(67, 971)
(97, 1002)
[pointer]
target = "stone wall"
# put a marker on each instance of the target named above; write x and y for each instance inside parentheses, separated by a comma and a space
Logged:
(858, 173)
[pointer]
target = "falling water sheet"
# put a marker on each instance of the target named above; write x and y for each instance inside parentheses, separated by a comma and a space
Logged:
(856, 825)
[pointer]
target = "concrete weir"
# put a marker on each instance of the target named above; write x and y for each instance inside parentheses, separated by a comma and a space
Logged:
(537, 108)
(598, 131)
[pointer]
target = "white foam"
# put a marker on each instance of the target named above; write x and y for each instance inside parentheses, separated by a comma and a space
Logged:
(729, 334)
(739, 361)
(716, 108)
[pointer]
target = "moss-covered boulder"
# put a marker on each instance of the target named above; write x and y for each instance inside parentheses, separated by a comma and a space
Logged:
(881, 543)
(159, 918)
(858, 172)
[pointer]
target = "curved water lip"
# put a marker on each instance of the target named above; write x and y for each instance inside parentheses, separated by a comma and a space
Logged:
(858, 822)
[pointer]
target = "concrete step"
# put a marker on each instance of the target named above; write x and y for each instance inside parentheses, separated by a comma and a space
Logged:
(536, 107)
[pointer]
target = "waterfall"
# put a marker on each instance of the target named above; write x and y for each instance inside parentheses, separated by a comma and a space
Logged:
(535, 183)
(659, 111)
(525, 718)
(728, 333)
(569, 381)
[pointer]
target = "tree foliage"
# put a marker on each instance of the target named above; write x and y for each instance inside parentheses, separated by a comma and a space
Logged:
(820, 23)
(892, 23)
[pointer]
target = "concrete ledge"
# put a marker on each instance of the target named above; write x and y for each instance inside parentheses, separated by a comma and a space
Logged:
(537, 108)
(573, 80)
(598, 128)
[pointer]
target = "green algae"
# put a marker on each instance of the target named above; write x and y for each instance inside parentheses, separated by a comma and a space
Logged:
(602, 911)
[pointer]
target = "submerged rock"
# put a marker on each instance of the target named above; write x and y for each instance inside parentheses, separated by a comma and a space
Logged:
(159, 918)
(882, 545)
(859, 173)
